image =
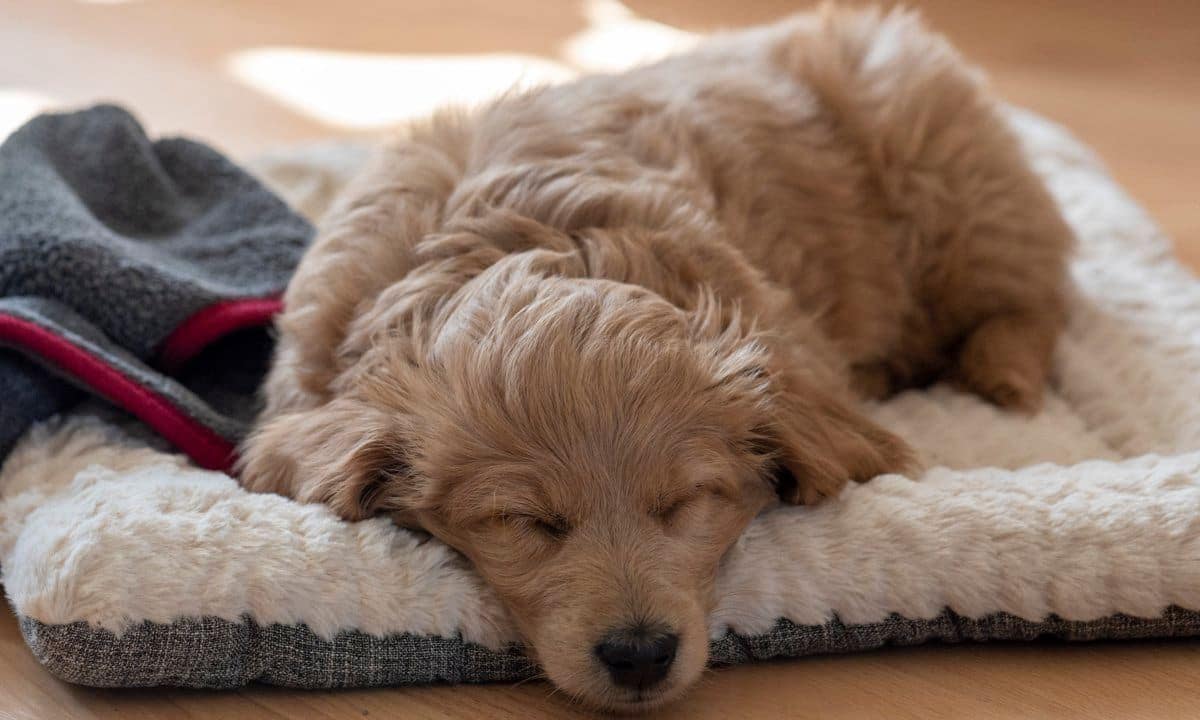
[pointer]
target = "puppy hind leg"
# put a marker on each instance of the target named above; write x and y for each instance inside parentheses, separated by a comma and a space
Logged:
(1006, 359)
(871, 381)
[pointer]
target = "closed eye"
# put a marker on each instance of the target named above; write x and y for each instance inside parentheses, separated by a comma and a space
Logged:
(552, 526)
(670, 512)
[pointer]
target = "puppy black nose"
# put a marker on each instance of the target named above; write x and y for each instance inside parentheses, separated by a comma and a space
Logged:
(636, 658)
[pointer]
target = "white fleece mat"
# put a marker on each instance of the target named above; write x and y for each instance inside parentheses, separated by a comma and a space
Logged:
(1088, 510)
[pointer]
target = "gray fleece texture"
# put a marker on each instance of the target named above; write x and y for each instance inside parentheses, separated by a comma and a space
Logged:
(110, 240)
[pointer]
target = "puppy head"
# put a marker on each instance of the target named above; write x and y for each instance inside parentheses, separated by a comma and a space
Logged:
(593, 450)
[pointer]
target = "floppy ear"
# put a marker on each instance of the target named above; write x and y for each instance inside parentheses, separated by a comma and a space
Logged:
(818, 443)
(812, 439)
(346, 454)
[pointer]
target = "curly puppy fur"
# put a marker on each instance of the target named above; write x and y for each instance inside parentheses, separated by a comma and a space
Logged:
(585, 334)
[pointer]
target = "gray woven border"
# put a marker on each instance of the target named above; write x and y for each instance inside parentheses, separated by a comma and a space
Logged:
(214, 653)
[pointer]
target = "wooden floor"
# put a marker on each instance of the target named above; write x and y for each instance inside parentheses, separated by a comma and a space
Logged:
(253, 74)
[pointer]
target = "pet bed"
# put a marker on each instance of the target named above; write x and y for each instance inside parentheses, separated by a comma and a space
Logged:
(129, 566)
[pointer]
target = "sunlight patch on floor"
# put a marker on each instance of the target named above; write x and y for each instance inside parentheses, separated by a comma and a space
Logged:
(617, 39)
(18, 106)
(363, 91)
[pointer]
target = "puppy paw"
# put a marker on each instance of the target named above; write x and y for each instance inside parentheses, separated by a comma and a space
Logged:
(1010, 391)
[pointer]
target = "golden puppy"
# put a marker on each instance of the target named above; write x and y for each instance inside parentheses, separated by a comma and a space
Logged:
(585, 334)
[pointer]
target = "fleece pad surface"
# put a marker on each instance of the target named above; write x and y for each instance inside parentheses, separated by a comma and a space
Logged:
(128, 566)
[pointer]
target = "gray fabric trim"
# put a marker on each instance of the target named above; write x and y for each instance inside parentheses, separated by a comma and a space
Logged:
(214, 653)
(788, 640)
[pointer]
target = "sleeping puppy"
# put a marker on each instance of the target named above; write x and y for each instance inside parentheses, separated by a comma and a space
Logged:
(585, 334)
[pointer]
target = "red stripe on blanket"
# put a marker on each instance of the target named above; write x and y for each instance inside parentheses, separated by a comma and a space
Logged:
(201, 444)
(213, 323)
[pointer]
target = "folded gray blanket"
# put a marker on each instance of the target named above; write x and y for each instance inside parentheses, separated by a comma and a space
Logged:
(123, 259)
